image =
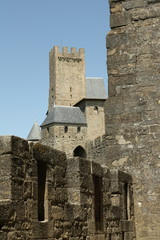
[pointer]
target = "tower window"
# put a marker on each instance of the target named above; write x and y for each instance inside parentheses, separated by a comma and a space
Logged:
(42, 204)
(96, 109)
(65, 129)
(98, 203)
(78, 129)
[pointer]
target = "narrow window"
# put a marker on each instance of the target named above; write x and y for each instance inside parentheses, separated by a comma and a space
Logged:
(78, 129)
(96, 110)
(65, 129)
(98, 203)
(126, 201)
(42, 169)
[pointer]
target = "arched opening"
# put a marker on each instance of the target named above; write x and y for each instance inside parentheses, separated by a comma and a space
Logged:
(79, 152)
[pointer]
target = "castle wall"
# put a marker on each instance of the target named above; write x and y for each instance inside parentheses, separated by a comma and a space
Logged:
(51, 197)
(94, 113)
(67, 76)
(64, 138)
(95, 119)
(132, 110)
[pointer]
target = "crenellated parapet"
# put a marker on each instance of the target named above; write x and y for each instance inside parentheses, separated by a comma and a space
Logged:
(66, 50)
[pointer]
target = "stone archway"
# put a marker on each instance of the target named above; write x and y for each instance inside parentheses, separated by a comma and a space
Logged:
(79, 152)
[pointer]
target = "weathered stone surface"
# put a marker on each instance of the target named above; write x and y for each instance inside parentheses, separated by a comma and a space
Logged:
(119, 20)
(15, 145)
(65, 191)
(131, 142)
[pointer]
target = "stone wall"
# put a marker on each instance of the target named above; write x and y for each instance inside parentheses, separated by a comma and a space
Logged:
(64, 138)
(94, 113)
(45, 196)
(131, 142)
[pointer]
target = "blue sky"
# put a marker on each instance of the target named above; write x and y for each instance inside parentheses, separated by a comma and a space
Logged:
(28, 30)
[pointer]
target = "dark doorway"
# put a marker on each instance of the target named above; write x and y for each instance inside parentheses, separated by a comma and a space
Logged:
(79, 152)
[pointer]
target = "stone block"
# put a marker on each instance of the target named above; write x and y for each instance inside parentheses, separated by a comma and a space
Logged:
(128, 235)
(113, 42)
(91, 226)
(5, 176)
(99, 236)
(19, 211)
(17, 189)
(31, 211)
(124, 177)
(57, 213)
(97, 169)
(116, 236)
(134, 4)
(114, 175)
(60, 195)
(153, 1)
(59, 176)
(42, 230)
(49, 155)
(116, 200)
(127, 226)
(27, 189)
(106, 199)
(74, 196)
(3, 235)
(18, 167)
(6, 210)
(78, 164)
(76, 212)
(76, 231)
(106, 184)
(130, 117)
(116, 212)
(119, 20)
(115, 187)
(86, 182)
(73, 179)
(14, 145)
(35, 190)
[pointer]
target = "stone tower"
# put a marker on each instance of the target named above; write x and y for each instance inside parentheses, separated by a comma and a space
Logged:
(76, 103)
(67, 76)
(132, 110)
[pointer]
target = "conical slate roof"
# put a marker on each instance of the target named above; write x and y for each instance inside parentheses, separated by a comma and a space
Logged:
(65, 115)
(35, 133)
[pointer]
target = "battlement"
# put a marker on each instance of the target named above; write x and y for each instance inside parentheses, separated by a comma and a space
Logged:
(68, 51)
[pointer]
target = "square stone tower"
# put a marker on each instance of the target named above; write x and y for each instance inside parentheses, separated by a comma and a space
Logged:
(67, 76)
